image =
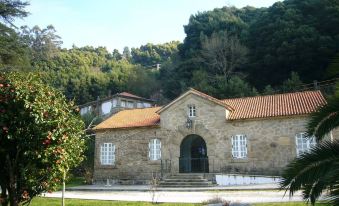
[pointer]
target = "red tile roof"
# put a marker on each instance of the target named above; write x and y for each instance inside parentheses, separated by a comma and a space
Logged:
(126, 94)
(298, 103)
(131, 118)
(289, 104)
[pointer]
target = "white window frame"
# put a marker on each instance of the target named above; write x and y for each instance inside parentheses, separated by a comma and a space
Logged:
(192, 111)
(130, 104)
(239, 146)
(154, 149)
(140, 105)
(303, 143)
(147, 105)
(114, 102)
(123, 103)
(85, 110)
(107, 154)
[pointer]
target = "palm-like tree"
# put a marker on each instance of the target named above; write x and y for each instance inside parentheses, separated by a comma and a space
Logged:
(317, 171)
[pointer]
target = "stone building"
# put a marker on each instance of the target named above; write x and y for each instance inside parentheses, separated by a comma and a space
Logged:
(196, 133)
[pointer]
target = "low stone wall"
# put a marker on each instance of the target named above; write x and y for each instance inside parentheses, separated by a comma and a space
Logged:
(236, 179)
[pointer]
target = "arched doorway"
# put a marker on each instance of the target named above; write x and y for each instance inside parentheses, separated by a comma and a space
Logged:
(193, 155)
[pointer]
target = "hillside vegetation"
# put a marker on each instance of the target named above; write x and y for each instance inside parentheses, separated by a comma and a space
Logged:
(227, 52)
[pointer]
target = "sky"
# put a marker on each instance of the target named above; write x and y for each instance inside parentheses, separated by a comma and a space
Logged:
(119, 23)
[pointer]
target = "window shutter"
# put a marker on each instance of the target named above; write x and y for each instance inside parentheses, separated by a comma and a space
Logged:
(101, 154)
(245, 139)
(113, 154)
(232, 141)
(149, 149)
(159, 148)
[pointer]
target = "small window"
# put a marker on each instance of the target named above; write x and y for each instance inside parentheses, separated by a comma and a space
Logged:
(130, 104)
(304, 143)
(154, 149)
(140, 105)
(85, 110)
(239, 146)
(123, 103)
(106, 107)
(114, 101)
(191, 111)
(146, 105)
(107, 154)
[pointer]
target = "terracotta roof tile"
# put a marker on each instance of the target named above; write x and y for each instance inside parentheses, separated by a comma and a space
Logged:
(131, 118)
(298, 103)
(126, 94)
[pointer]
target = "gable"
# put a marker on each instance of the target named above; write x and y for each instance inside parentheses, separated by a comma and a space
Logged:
(198, 94)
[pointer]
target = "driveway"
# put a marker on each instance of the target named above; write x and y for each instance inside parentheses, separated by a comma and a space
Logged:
(246, 196)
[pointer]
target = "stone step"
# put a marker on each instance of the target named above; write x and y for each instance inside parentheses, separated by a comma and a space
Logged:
(185, 177)
(186, 180)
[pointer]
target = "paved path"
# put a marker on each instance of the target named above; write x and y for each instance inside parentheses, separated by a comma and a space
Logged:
(246, 196)
(146, 188)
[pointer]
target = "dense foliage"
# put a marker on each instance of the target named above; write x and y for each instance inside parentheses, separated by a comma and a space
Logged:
(227, 52)
(41, 137)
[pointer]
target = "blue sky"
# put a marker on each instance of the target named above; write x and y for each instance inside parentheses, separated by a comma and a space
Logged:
(119, 23)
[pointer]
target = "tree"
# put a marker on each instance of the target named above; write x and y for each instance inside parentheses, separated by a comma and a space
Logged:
(150, 54)
(44, 43)
(41, 137)
(223, 54)
(13, 51)
(292, 84)
(126, 53)
(10, 9)
(317, 171)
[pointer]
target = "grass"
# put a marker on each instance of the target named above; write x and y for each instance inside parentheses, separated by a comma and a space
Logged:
(77, 202)
(73, 181)
(288, 204)
(38, 201)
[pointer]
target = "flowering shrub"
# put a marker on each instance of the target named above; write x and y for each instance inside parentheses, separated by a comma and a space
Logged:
(41, 136)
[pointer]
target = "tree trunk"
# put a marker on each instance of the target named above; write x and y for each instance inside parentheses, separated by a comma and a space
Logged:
(12, 187)
(3, 196)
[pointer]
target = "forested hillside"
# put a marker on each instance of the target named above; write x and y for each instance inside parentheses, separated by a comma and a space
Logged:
(227, 52)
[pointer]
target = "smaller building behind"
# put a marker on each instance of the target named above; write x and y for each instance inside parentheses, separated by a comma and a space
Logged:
(115, 103)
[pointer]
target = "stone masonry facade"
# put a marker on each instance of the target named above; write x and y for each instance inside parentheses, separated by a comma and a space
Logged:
(271, 142)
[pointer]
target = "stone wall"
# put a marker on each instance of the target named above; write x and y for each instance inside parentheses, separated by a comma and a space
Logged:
(271, 142)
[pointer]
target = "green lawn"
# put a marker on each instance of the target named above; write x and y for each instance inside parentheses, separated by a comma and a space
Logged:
(287, 204)
(76, 202)
(74, 181)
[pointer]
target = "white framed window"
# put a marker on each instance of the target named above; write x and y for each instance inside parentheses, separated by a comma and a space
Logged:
(239, 146)
(154, 149)
(192, 112)
(130, 104)
(107, 154)
(146, 105)
(304, 143)
(123, 103)
(85, 110)
(140, 105)
(114, 102)
(106, 107)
